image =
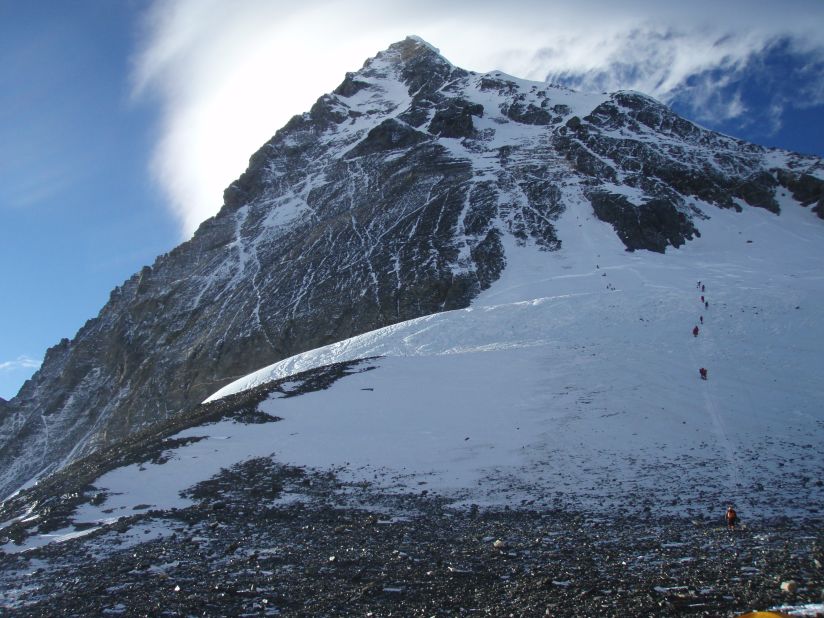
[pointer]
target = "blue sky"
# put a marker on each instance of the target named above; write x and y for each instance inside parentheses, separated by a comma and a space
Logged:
(78, 211)
(121, 122)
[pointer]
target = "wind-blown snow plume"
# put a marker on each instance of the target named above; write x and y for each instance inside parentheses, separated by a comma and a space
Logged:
(229, 75)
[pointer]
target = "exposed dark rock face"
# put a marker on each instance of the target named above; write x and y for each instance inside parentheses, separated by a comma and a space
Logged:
(805, 188)
(390, 199)
(654, 225)
(528, 114)
(489, 255)
(388, 135)
(455, 120)
(350, 86)
(759, 190)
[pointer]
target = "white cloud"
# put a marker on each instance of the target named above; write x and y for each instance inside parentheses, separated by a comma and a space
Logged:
(228, 75)
(21, 362)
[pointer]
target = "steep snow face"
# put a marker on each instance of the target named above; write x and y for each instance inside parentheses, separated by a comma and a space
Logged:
(401, 194)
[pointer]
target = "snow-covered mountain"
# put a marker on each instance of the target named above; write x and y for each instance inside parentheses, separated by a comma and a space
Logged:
(417, 187)
(572, 381)
(554, 437)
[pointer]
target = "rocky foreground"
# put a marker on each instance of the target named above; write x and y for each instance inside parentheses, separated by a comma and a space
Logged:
(262, 539)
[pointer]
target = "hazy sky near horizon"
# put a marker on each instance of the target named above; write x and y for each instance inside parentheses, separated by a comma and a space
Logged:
(122, 122)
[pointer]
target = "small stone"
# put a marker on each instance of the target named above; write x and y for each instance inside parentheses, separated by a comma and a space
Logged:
(789, 586)
(499, 544)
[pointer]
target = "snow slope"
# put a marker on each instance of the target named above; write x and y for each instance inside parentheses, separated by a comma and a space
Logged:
(572, 381)
(576, 375)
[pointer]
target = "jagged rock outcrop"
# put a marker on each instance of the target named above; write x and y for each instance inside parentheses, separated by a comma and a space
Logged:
(806, 188)
(392, 198)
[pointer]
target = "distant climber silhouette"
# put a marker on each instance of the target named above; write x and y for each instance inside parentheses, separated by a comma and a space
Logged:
(703, 373)
(695, 332)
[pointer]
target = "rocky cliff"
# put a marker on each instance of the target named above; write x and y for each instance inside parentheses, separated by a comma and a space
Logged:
(390, 199)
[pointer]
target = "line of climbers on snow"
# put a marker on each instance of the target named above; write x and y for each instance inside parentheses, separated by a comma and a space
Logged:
(702, 371)
(731, 517)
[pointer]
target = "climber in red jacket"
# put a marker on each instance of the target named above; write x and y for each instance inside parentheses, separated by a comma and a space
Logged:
(731, 517)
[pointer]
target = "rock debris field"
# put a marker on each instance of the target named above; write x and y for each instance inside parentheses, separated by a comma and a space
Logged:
(263, 540)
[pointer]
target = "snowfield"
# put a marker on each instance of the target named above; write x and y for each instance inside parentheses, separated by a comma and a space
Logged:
(571, 382)
(575, 378)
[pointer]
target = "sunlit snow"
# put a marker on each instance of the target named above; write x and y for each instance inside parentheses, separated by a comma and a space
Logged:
(573, 380)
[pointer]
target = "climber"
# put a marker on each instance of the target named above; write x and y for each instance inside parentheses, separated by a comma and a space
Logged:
(702, 288)
(731, 517)
(695, 332)
(702, 299)
(706, 304)
(701, 319)
(703, 373)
